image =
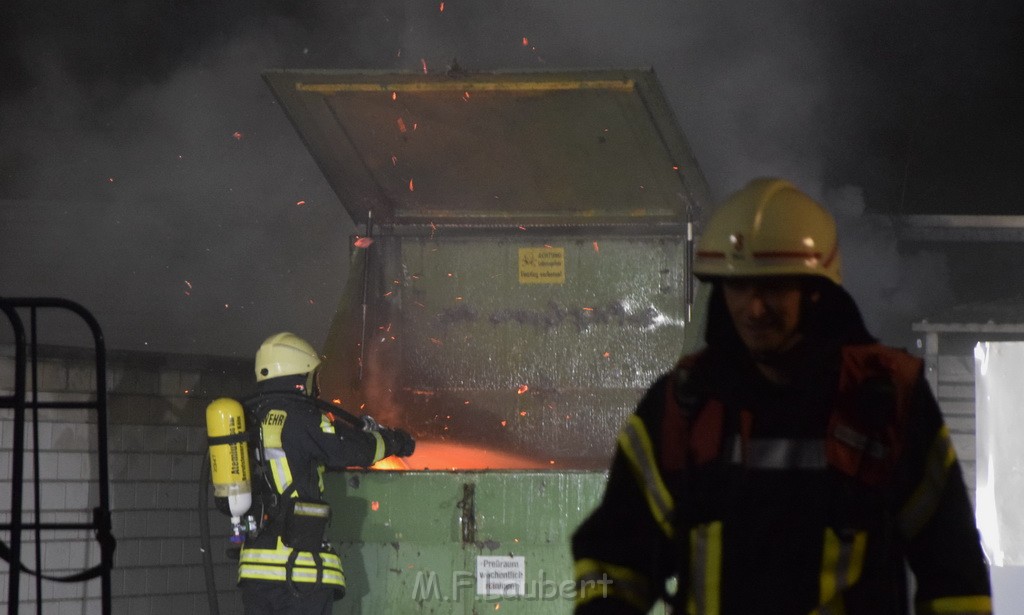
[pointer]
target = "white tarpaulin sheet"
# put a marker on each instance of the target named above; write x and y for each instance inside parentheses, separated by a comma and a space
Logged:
(999, 401)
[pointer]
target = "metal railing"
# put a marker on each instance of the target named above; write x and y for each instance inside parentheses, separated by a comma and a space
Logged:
(26, 405)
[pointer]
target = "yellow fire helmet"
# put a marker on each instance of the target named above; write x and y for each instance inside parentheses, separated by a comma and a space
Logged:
(769, 228)
(285, 354)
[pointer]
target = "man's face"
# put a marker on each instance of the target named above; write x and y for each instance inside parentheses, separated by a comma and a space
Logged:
(765, 312)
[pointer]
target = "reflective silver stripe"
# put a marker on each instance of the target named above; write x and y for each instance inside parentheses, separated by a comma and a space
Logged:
(780, 453)
(925, 499)
(860, 442)
(281, 472)
(636, 445)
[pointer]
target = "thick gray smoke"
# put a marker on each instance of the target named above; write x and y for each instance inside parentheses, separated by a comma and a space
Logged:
(147, 173)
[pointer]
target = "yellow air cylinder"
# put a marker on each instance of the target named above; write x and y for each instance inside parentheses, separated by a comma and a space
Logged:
(229, 461)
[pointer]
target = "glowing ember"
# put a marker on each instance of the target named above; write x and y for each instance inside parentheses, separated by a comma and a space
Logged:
(526, 41)
(523, 388)
(412, 187)
(394, 96)
(401, 125)
(300, 203)
(504, 423)
(237, 135)
(363, 242)
(522, 413)
(606, 355)
(424, 63)
(441, 8)
(596, 248)
(375, 505)
(465, 96)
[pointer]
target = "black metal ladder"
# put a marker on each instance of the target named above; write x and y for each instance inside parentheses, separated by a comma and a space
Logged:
(21, 402)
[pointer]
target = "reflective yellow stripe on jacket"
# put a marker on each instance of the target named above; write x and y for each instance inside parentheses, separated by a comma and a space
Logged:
(957, 605)
(925, 499)
(597, 580)
(272, 565)
(842, 563)
(636, 445)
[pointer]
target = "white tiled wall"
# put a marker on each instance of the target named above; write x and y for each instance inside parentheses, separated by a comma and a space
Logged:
(156, 441)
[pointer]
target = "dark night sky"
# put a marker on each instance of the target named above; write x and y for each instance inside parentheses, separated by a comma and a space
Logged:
(147, 173)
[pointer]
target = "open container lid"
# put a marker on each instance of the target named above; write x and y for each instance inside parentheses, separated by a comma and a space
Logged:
(584, 148)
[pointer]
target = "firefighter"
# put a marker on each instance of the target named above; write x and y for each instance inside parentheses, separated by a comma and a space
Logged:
(794, 465)
(288, 567)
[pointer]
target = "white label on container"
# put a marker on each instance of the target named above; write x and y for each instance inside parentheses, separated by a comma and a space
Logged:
(500, 576)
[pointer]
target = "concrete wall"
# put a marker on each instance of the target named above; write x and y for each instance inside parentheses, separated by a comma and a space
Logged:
(156, 441)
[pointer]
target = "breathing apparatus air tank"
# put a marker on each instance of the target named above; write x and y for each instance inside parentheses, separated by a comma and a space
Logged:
(229, 460)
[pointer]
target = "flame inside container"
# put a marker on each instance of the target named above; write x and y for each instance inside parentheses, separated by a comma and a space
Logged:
(446, 456)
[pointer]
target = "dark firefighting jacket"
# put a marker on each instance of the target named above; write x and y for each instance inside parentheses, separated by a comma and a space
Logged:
(807, 498)
(299, 441)
(801, 499)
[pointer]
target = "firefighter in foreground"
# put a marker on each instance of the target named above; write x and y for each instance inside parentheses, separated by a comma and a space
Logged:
(792, 466)
(286, 566)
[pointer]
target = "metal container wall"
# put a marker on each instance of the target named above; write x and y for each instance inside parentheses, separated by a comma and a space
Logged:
(477, 351)
(410, 542)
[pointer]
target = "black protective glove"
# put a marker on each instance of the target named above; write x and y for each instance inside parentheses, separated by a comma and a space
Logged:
(397, 442)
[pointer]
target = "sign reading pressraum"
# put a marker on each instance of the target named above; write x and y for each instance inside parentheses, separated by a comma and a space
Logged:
(500, 576)
(541, 265)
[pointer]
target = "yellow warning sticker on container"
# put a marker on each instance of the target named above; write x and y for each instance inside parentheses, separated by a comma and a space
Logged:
(541, 265)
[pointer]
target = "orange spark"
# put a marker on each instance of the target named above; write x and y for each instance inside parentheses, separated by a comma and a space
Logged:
(522, 228)
(606, 355)
(401, 125)
(336, 401)
(596, 248)
(504, 423)
(465, 96)
(389, 293)
(375, 505)
(424, 63)
(586, 309)
(441, 7)
(522, 413)
(300, 203)
(237, 135)
(394, 95)
(675, 167)
(363, 242)
(526, 41)
(523, 388)
(412, 187)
